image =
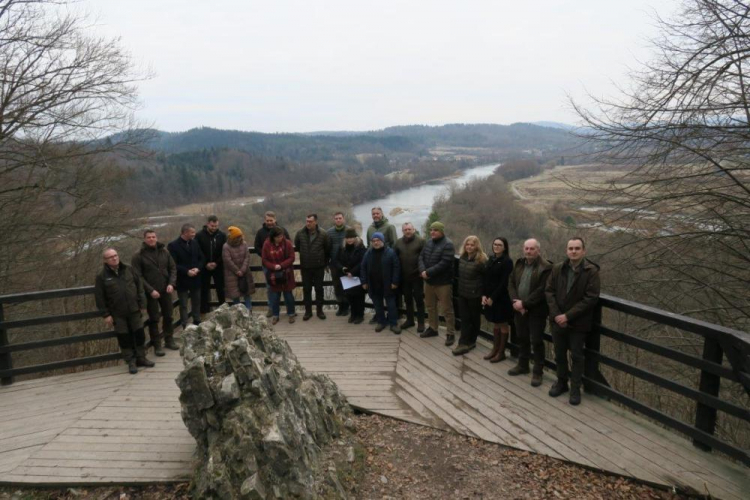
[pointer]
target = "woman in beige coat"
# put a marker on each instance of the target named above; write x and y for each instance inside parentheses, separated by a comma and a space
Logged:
(238, 280)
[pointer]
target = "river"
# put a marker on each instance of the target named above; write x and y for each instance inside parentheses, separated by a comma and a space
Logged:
(416, 202)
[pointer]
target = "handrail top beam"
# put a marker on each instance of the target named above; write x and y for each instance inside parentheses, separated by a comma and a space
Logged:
(680, 321)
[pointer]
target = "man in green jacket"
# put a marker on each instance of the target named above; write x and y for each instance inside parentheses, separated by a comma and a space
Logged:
(314, 247)
(381, 225)
(526, 289)
(572, 294)
(119, 297)
(158, 273)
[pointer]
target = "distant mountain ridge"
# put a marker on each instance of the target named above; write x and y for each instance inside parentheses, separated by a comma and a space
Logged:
(405, 139)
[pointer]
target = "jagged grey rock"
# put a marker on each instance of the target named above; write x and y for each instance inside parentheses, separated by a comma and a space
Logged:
(259, 418)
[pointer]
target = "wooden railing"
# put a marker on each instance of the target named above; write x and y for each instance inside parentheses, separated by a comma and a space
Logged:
(718, 343)
(7, 372)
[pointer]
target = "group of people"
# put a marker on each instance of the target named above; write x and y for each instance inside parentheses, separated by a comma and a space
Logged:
(418, 271)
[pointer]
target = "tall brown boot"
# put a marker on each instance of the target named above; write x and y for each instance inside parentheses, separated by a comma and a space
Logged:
(495, 343)
(500, 356)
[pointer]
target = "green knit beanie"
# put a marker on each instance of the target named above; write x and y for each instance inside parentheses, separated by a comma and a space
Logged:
(438, 226)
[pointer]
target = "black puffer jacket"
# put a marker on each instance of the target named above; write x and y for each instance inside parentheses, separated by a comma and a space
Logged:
(313, 252)
(437, 258)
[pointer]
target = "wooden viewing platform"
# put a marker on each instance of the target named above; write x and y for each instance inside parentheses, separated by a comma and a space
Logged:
(106, 426)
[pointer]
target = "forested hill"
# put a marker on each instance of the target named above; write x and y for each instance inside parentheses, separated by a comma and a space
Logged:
(485, 135)
(291, 146)
(410, 139)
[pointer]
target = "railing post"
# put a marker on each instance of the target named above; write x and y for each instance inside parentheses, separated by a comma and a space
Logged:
(705, 416)
(6, 360)
(591, 363)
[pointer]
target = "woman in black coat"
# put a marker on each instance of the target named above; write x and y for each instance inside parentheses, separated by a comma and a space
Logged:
(348, 261)
(498, 308)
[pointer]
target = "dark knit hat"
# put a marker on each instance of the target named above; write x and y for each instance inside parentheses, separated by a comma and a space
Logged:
(350, 233)
(378, 236)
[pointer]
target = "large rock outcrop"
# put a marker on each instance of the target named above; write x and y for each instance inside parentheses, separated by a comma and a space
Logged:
(259, 418)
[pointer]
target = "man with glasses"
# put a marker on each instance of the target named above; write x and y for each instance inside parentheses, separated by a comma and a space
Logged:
(119, 297)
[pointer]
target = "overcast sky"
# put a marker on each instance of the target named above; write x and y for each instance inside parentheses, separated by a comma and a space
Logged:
(299, 66)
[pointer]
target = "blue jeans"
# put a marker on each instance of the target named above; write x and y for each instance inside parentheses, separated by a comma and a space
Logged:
(248, 302)
(275, 300)
(390, 303)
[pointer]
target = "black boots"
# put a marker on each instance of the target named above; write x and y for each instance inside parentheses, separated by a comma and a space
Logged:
(141, 359)
(169, 343)
(561, 387)
(128, 355)
(520, 369)
(158, 346)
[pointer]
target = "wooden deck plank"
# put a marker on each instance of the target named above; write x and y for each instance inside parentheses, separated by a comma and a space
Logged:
(185, 439)
(122, 474)
(162, 456)
(126, 424)
(76, 446)
(144, 432)
(96, 464)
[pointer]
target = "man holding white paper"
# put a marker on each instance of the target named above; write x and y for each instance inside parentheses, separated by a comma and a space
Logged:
(348, 263)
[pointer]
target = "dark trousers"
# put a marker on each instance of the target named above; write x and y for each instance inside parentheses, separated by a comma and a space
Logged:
(338, 288)
(356, 298)
(218, 277)
(130, 335)
(159, 308)
(390, 305)
(529, 331)
(413, 291)
(194, 296)
(470, 313)
(566, 340)
(312, 278)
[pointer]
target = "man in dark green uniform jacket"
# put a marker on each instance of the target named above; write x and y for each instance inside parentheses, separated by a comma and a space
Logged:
(119, 297)
(572, 293)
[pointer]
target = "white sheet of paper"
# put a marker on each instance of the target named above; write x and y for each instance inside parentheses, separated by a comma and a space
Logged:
(348, 282)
